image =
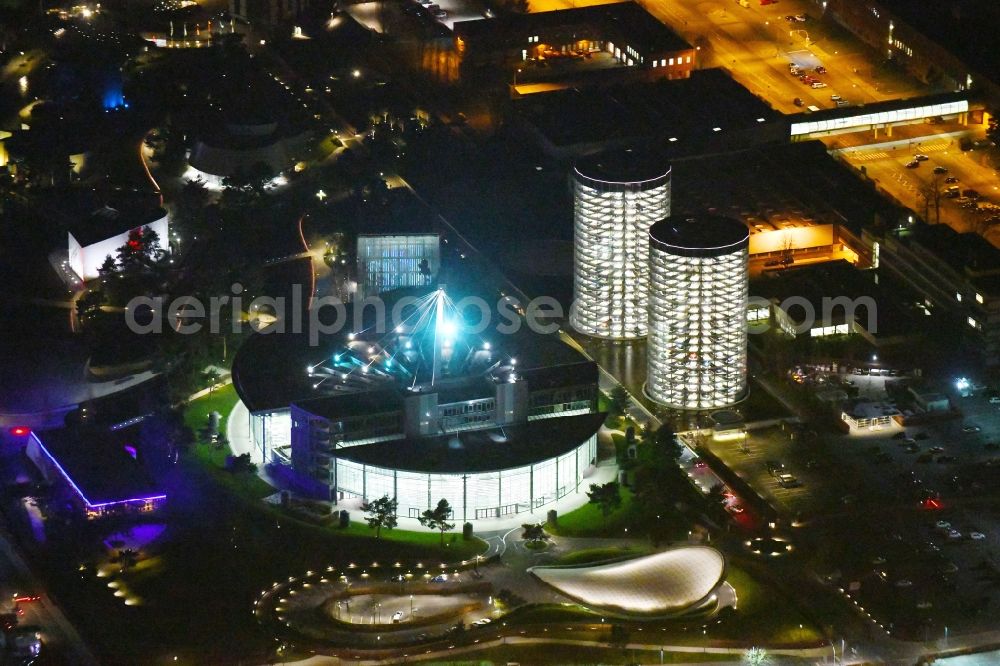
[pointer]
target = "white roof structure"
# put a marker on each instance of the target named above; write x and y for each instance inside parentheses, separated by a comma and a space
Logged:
(667, 583)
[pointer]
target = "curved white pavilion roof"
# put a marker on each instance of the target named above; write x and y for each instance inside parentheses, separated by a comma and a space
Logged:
(664, 583)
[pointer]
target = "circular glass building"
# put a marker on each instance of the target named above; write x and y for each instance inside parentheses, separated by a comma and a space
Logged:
(617, 197)
(697, 347)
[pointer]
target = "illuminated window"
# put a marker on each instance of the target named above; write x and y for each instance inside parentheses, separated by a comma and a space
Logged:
(671, 61)
(697, 344)
(958, 297)
(979, 298)
(611, 248)
(974, 324)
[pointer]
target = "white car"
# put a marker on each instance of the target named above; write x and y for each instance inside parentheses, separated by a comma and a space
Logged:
(942, 525)
(954, 535)
(818, 84)
(397, 617)
(977, 536)
(904, 582)
(482, 622)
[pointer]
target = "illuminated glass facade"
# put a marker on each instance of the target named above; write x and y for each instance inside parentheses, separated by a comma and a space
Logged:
(395, 261)
(697, 348)
(472, 496)
(616, 199)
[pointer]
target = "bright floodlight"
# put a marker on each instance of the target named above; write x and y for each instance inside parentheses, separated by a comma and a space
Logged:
(662, 584)
(617, 197)
(697, 348)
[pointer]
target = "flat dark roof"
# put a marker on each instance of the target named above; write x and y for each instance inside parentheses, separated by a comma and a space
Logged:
(837, 279)
(964, 252)
(703, 234)
(651, 112)
(97, 463)
(624, 166)
(396, 212)
(643, 31)
(353, 404)
(967, 28)
(480, 450)
(106, 222)
(968, 254)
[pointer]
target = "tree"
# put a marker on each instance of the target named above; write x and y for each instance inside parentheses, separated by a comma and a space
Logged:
(756, 656)
(666, 444)
(607, 497)
(533, 532)
(108, 268)
(127, 559)
(993, 128)
(618, 401)
(211, 376)
(382, 513)
(140, 250)
(89, 303)
(437, 518)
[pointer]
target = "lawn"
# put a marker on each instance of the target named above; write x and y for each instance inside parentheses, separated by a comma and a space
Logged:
(212, 457)
(587, 521)
(220, 400)
(455, 547)
(577, 654)
(588, 555)
(764, 614)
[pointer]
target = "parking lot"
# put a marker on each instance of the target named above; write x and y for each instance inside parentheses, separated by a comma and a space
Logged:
(905, 520)
(886, 164)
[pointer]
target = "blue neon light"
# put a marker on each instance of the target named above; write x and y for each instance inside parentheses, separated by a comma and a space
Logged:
(79, 492)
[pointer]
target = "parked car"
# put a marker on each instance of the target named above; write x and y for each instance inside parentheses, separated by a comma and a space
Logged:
(397, 617)
(818, 84)
(951, 179)
(977, 536)
(920, 157)
(797, 101)
(940, 169)
(912, 164)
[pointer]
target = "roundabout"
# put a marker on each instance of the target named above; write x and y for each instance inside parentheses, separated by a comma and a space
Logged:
(769, 546)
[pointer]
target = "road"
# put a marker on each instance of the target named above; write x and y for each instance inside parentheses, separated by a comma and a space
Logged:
(756, 44)
(885, 163)
(58, 634)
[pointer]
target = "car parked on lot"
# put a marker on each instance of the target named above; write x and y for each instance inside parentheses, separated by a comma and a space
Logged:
(912, 164)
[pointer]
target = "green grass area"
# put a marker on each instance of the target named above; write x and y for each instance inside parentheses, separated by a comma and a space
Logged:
(577, 654)
(221, 400)
(455, 547)
(763, 614)
(552, 614)
(588, 555)
(588, 521)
